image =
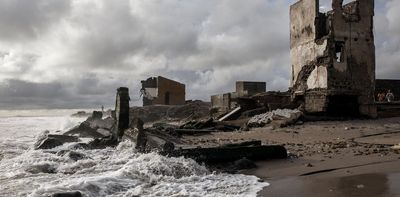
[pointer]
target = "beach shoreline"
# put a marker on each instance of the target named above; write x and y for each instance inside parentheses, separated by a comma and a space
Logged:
(326, 151)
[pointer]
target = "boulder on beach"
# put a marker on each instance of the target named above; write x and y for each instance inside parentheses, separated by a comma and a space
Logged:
(47, 141)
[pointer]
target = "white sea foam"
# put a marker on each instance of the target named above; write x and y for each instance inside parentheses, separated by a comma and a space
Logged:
(119, 171)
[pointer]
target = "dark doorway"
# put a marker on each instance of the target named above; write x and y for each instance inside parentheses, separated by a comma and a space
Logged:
(343, 105)
(167, 99)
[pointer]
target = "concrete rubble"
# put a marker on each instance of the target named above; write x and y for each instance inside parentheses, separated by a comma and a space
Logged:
(167, 139)
(287, 115)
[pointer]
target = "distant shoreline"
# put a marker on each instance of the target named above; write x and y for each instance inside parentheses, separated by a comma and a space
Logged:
(41, 112)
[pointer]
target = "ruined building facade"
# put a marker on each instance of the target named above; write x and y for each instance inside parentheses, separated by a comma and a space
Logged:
(333, 56)
(162, 91)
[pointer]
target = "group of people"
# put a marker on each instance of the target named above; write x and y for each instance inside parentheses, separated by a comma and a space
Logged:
(385, 96)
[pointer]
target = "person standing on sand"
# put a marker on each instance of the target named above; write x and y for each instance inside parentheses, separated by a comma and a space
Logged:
(389, 96)
(381, 96)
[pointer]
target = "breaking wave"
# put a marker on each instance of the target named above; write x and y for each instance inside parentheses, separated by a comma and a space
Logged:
(119, 171)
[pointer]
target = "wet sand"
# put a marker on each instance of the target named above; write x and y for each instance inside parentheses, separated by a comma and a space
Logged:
(328, 158)
(364, 185)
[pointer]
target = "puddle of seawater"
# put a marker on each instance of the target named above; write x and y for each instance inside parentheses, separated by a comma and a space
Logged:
(366, 185)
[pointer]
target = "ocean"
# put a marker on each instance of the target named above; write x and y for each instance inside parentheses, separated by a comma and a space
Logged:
(119, 171)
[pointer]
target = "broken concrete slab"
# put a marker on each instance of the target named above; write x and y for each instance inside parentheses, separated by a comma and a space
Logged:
(47, 141)
(284, 116)
(93, 127)
(84, 130)
(231, 113)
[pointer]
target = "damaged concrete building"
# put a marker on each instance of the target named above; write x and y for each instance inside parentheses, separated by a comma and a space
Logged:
(228, 101)
(162, 91)
(333, 57)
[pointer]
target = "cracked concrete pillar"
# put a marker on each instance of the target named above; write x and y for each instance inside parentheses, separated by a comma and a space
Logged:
(122, 111)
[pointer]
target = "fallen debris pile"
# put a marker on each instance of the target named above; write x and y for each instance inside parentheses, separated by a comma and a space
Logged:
(167, 139)
(284, 116)
(169, 143)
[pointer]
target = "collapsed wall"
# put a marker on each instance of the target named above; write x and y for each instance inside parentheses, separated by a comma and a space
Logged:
(333, 57)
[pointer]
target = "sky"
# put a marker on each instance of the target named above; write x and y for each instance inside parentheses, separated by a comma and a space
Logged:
(76, 53)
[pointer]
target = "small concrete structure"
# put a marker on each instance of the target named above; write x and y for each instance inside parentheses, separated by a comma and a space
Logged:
(162, 91)
(249, 88)
(333, 57)
(121, 112)
(226, 102)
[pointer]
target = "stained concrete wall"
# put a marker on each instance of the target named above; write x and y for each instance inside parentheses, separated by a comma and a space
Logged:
(169, 92)
(250, 87)
(303, 48)
(222, 102)
(353, 27)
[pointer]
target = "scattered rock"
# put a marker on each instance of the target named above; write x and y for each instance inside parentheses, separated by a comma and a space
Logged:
(309, 165)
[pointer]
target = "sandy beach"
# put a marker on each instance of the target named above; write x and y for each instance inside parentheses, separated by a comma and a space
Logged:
(327, 158)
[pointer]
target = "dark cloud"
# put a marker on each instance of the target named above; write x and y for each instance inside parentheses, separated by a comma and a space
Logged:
(69, 54)
(24, 19)
(22, 94)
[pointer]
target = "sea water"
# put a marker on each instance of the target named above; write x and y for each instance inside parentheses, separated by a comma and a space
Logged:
(119, 171)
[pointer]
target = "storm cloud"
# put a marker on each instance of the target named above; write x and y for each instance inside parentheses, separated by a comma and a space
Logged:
(75, 53)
